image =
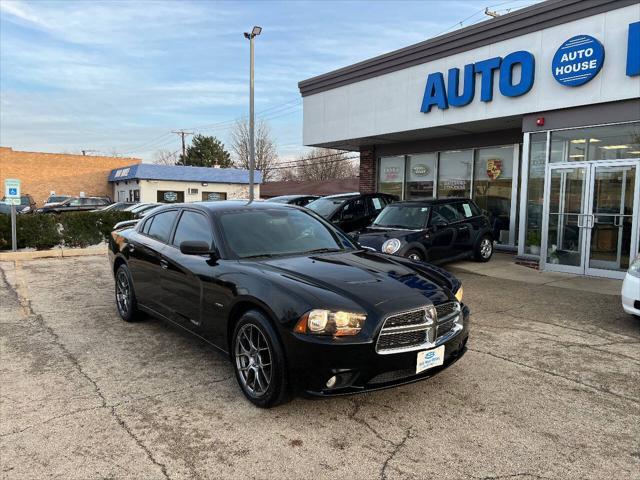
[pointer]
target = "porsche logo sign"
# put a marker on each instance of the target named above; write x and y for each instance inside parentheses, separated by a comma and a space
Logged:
(494, 168)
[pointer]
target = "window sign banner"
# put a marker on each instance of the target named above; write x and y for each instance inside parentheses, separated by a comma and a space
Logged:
(170, 196)
(494, 168)
(577, 61)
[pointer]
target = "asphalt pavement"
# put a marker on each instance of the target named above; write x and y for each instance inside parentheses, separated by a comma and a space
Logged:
(549, 389)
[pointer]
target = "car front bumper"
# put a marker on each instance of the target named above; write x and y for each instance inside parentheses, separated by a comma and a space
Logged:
(631, 295)
(358, 368)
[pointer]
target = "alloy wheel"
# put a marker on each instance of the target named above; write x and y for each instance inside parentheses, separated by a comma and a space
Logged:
(414, 256)
(123, 292)
(253, 360)
(486, 248)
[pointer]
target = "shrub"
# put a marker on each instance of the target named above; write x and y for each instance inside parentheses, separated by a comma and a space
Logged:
(72, 229)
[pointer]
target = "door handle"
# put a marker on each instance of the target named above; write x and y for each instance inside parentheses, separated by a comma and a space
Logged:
(164, 264)
(131, 247)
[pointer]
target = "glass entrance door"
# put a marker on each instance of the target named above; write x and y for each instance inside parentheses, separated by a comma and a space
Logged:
(591, 218)
(611, 218)
(566, 219)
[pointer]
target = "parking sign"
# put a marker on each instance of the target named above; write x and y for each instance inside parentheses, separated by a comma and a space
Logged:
(12, 191)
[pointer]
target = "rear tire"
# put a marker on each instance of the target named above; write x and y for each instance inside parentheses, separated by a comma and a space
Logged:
(484, 249)
(126, 302)
(414, 255)
(258, 361)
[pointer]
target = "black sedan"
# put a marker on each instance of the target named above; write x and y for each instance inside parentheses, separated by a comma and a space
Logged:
(434, 230)
(293, 301)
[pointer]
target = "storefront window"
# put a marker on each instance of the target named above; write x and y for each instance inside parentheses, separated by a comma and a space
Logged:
(610, 142)
(454, 173)
(535, 192)
(421, 176)
(492, 182)
(391, 175)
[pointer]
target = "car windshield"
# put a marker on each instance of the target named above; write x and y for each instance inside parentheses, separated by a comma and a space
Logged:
(279, 232)
(326, 207)
(25, 201)
(403, 216)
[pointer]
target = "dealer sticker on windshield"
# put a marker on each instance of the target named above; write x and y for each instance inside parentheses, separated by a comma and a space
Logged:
(430, 358)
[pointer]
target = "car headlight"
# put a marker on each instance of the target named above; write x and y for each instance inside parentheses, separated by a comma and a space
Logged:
(634, 268)
(391, 246)
(328, 322)
(459, 294)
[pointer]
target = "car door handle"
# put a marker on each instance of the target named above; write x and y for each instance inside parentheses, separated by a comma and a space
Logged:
(164, 264)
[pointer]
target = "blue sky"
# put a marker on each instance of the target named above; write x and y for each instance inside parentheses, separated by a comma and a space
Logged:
(116, 76)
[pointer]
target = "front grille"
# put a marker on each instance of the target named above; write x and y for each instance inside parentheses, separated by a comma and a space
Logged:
(445, 310)
(402, 340)
(445, 327)
(406, 330)
(414, 317)
(392, 376)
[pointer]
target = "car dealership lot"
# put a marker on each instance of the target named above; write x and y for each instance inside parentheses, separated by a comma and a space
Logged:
(549, 389)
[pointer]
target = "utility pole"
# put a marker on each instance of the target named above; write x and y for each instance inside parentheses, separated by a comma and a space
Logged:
(252, 148)
(490, 13)
(182, 134)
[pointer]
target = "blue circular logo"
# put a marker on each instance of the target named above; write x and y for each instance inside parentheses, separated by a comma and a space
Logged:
(577, 61)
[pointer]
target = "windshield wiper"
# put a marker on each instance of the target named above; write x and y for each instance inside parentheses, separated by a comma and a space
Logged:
(259, 255)
(321, 250)
(388, 226)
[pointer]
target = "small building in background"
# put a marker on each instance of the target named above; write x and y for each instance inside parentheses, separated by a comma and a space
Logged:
(147, 182)
(42, 174)
(324, 187)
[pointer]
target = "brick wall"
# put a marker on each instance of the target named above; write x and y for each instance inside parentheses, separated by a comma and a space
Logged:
(41, 173)
(368, 170)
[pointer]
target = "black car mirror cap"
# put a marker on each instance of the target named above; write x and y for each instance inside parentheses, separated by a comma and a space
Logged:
(196, 247)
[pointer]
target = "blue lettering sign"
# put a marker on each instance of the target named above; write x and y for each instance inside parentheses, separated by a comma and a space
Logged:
(434, 93)
(527, 73)
(633, 50)
(486, 68)
(577, 61)
(469, 88)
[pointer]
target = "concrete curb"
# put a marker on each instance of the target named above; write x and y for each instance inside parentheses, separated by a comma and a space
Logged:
(58, 252)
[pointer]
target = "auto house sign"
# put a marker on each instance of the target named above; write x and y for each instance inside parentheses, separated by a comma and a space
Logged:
(421, 170)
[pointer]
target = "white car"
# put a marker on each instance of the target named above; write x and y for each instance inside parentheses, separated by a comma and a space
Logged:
(631, 289)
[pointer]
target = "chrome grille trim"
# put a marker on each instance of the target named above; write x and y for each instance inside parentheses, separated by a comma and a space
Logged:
(437, 330)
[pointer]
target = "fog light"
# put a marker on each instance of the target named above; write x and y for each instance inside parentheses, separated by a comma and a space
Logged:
(332, 382)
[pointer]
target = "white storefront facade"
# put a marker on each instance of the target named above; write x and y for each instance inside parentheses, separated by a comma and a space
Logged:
(535, 115)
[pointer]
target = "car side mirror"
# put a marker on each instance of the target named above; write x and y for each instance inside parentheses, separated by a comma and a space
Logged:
(196, 247)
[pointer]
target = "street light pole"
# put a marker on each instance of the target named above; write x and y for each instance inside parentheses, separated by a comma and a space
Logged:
(252, 149)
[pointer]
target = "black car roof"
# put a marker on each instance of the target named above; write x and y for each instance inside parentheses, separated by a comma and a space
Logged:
(356, 194)
(432, 201)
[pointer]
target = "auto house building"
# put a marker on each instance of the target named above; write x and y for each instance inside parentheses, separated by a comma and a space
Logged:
(534, 114)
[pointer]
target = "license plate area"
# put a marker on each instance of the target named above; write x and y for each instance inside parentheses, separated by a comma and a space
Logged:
(427, 359)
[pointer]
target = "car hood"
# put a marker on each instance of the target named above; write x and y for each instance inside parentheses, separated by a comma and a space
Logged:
(369, 279)
(374, 238)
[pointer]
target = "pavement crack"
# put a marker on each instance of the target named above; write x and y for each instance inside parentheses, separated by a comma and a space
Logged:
(394, 452)
(143, 447)
(512, 475)
(352, 416)
(57, 341)
(554, 374)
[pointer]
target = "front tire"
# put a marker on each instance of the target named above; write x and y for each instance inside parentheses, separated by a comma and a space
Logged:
(258, 361)
(484, 249)
(125, 296)
(414, 255)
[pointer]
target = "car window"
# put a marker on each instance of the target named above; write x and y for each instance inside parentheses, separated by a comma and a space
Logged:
(265, 232)
(146, 226)
(76, 202)
(326, 207)
(354, 209)
(193, 226)
(465, 210)
(447, 212)
(403, 216)
(160, 229)
(376, 204)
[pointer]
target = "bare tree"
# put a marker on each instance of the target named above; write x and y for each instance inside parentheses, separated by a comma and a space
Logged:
(165, 157)
(266, 153)
(322, 164)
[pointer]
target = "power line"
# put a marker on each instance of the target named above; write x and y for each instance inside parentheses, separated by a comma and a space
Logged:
(304, 163)
(182, 134)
